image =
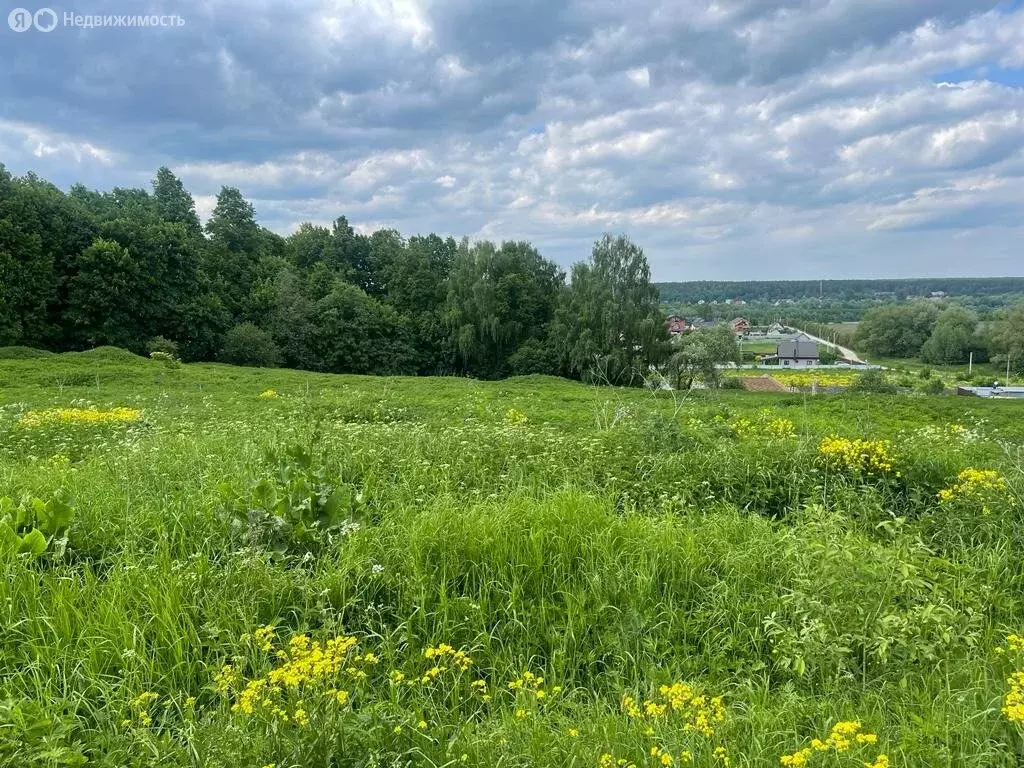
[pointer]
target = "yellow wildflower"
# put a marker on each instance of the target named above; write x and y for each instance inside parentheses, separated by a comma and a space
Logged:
(79, 416)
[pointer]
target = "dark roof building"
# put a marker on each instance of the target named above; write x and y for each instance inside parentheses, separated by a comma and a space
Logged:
(797, 353)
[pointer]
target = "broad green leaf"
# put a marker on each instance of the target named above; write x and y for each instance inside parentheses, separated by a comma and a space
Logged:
(57, 516)
(9, 539)
(33, 543)
(265, 494)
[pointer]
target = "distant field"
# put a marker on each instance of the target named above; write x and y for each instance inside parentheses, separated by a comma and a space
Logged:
(243, 567)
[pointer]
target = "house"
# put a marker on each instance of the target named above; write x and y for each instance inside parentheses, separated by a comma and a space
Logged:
(677, 325)
(797, 353)
(741, 325)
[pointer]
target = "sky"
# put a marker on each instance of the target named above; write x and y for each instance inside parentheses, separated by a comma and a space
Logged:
(731, 139)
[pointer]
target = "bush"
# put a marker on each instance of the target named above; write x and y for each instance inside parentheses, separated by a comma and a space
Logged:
(873, 381)
(108, 354)
(162, 345)
(533, 356)
(934, 387)
(245, 344)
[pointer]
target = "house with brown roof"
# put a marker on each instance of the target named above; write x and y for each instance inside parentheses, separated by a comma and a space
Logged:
(677, 325)
(741, 325)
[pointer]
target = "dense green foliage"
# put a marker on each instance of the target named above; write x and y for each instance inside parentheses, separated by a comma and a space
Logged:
(897, 330)
(126, 267)
(943, 334)
(803, 302)
(608, 540)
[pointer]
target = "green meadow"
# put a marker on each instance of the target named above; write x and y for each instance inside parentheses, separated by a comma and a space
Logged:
(207, 565)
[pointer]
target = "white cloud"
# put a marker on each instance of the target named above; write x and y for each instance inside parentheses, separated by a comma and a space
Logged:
(640, 76)
(831, 136)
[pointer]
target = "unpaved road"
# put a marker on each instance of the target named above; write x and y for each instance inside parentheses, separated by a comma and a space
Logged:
(849, 354)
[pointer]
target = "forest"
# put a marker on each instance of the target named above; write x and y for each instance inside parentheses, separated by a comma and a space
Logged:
(840, 290)
(136, 269)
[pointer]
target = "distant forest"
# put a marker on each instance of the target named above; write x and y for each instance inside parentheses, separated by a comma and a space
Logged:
(838, 290)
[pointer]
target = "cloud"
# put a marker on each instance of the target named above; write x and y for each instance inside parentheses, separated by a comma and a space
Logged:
(732, 139)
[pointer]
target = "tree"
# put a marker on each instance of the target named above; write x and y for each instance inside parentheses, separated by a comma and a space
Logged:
(201, 326)
(699, 354)
(311, 245)
(27, 280)
(827, 355)
(610, 326)
(897, 330)
(417, 275)
(245, 344)
(103, 296)
(954, 338)
(534, 356)
(173, 203)
(1008, 336)
(357, 334)
(166, 256)
(498, 298)
(63, 227)
(234, 248)
(292, 322)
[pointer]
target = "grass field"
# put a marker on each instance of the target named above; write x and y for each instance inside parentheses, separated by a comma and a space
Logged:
(239, 567)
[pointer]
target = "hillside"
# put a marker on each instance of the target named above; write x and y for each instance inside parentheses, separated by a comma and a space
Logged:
(251, 567)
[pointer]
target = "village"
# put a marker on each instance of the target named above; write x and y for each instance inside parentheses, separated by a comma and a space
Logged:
(773, 345)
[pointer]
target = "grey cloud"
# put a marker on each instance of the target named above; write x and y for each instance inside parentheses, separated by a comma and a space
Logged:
(808, 131)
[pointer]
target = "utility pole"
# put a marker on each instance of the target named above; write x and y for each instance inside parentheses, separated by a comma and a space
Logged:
(970, 365)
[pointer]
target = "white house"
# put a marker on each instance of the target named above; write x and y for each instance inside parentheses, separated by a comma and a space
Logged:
(797, 354)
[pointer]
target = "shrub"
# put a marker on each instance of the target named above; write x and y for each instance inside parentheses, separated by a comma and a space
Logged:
(533, 356)
(873, 381)
(299, 509)
(934, 387)
(162, 345)
(245, 344)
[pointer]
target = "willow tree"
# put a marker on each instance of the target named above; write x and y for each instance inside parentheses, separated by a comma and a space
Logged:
(499, 298)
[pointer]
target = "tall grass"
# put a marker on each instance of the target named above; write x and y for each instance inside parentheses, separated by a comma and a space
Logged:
(608, 541)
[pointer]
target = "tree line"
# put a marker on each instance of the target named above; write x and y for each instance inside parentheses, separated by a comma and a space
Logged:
(841, 290)
(135, 268)
(947, 334)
